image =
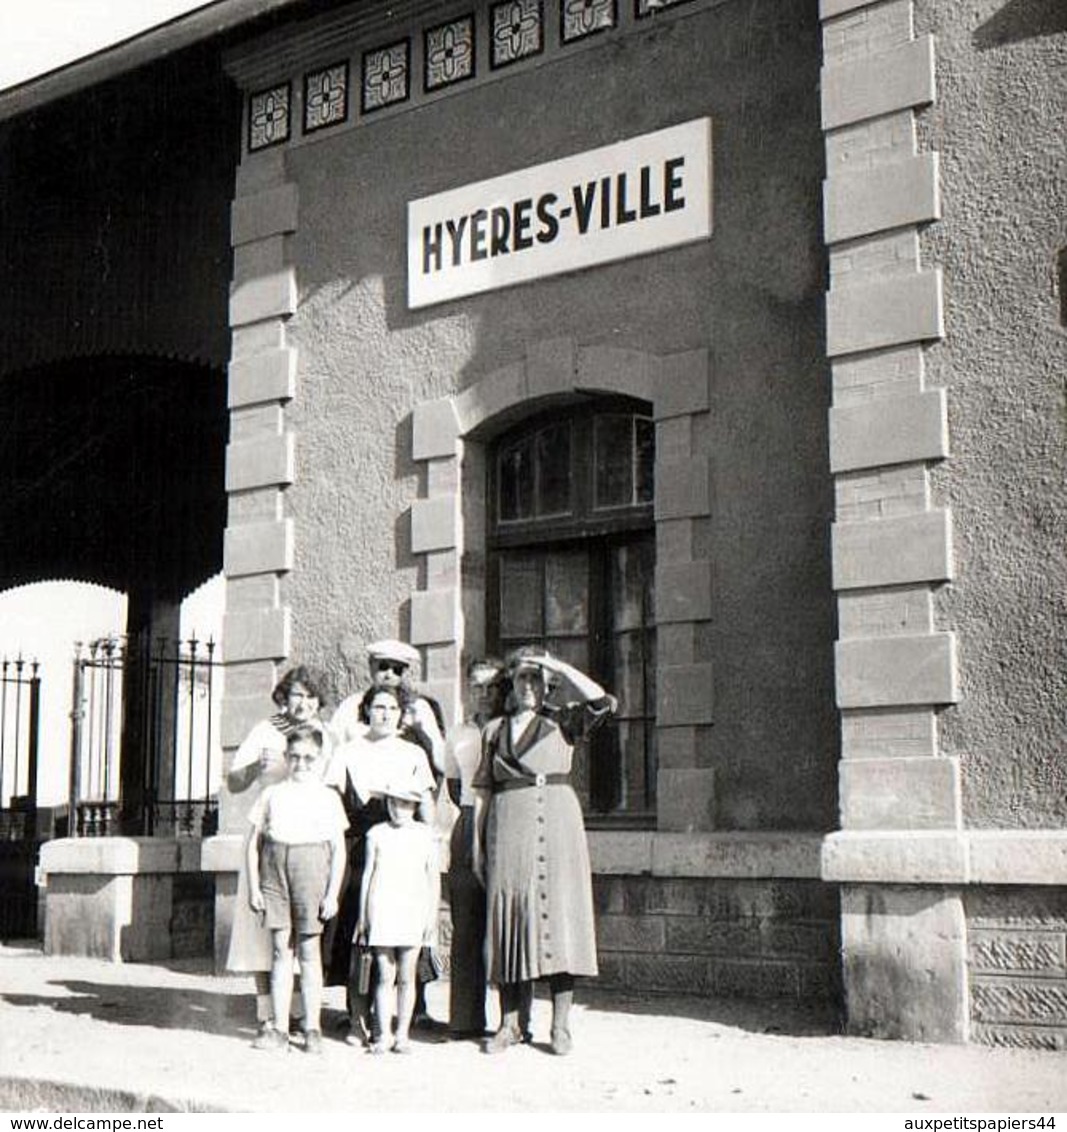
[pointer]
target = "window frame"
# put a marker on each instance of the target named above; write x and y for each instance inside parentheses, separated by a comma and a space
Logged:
(600, 533)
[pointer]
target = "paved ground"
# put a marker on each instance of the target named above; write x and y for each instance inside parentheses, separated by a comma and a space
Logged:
(181, 1036)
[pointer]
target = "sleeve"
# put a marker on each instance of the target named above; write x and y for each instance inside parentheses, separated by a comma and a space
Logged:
(578, 721)
(262, 735)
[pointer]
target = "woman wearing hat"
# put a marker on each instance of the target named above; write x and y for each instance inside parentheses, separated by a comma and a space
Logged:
(531, 843)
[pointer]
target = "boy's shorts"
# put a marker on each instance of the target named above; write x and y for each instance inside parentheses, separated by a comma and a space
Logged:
(293, 879)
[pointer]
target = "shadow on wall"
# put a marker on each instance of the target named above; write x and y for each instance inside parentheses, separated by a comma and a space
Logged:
(1020, 20)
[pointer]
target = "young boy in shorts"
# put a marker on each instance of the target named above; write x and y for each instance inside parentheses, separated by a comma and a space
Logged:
(296, 857)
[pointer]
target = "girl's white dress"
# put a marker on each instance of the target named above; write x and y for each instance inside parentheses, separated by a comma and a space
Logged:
(404, 860)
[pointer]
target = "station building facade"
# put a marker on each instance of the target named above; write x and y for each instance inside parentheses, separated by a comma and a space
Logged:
(718, 346)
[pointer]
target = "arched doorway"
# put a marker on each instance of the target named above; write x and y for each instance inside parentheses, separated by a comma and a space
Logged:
(113, 472)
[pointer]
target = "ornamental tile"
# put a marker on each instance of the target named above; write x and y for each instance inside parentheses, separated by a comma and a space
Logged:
(386, 76)
(449, 53)
(325, 97)
(517, 31)
(268, 117)
(579, 18)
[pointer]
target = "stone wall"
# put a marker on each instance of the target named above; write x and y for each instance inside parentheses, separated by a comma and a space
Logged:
(1016, 942)
(723, 937)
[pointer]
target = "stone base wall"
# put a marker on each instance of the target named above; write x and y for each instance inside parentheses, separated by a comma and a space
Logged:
(1017, 961)
(726, 937)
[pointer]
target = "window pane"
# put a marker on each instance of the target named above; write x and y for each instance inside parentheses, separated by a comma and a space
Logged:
(629, 660)
(515, 474)
(631, 585)
(520, 596)
(613, 455)
(554, 470)
(645, 459)
(566, 593)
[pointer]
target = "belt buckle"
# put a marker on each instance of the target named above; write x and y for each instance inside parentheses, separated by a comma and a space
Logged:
(539, 780)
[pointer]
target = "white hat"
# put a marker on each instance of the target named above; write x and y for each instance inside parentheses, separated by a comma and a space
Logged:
(393, 650)
(396, 790)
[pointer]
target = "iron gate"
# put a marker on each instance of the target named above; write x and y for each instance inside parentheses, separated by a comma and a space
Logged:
(173, 699)
(20, 837)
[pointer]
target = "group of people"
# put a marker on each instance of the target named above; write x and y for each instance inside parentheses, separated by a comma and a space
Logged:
(341, 875)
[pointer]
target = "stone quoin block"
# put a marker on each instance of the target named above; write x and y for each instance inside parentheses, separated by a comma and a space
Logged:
(258, 548)
(269, 213)
(434, 615)
(681, 386)
(885, 671)
(263, 462)
(677, 747)
(433, 524)
(895, 857)
(610, 369)
(683, 488)
(239, 715)
(551, 367)
(683, 592)
(626, 853)
(259, 635)
(830, 8)
(904, 963)
(502, 389)
(886, 552)
(271, 296)
(895, 79)
(683, 694)
(920, 793)
(891, 311)
(434, 429)
(685, 799)
(1037, 856)
(266, 376)
(257, 422)
(886, 733)
(736, 854)
(875, 200)
(889, 430)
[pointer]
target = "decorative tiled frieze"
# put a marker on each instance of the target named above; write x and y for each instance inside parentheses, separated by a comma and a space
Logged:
(579, 18)
(301, 87)
(326, 97)
(516, 31)
(268, 117)
(386, 76)
(449, 53)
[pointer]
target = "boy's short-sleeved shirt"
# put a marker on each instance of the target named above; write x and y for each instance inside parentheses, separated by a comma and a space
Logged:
(298, 813)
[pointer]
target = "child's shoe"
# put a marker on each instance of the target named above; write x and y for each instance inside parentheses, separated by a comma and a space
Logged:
(561, 1042)
(313, 1042)
(271, 1038)
(378, 1046)
(503, 1039)
(401, 1046)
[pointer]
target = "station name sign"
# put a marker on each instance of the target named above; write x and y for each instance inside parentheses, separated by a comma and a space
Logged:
(636, 196)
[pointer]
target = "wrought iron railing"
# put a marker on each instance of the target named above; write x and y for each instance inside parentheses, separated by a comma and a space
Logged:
(169, 711)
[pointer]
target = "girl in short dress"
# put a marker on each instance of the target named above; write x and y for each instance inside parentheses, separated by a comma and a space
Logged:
(397, 909)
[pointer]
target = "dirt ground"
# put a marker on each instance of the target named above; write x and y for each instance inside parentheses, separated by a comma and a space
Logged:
(176, 1036)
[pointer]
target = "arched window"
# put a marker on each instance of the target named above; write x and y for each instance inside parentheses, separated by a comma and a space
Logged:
(571, 567)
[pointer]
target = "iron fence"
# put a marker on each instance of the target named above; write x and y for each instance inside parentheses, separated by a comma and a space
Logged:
(20, 838)
(144, 756)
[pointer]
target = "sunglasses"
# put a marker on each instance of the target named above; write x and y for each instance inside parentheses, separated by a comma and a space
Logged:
(392, 666)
